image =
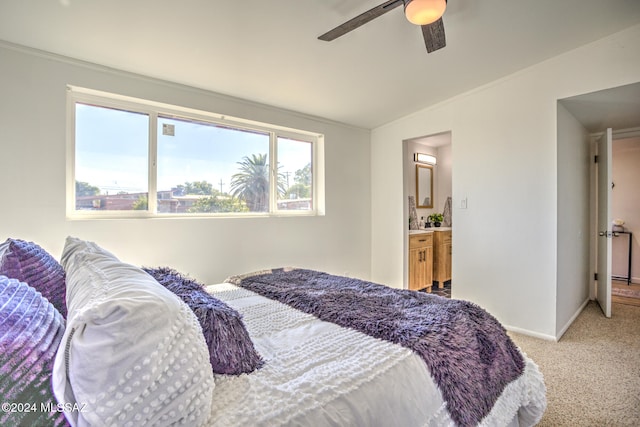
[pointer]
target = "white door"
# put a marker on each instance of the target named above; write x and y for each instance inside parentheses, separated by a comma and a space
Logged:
(605, 182)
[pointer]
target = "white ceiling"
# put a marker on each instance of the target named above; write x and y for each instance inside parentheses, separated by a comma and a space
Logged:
(617, 108)
(268, 52)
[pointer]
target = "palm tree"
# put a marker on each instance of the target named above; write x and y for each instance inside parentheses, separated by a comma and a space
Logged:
(251, 184)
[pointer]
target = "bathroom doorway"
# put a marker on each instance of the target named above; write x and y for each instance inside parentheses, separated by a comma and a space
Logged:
(438, 151)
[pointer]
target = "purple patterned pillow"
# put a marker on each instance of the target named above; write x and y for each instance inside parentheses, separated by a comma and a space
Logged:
(231, 350)
(29, 263)
(30, 332)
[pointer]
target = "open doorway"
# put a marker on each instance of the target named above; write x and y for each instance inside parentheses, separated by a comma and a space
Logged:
(580, 118)
(418, 210)
(625, 207)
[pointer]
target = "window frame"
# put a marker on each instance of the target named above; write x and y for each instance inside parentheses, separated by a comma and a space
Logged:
(154, 110)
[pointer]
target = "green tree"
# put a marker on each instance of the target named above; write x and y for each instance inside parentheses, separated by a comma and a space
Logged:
(251, 184)
(142, 204)
(298, 191)
(217, 204)
(196, 187)
(86, 189)
(303, 176)
(301, 188)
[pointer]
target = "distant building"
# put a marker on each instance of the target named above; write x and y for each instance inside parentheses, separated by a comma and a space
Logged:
(168, 201)
(295, 204)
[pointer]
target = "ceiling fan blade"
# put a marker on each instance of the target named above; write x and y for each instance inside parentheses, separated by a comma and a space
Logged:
(434, 36)
(360, 20)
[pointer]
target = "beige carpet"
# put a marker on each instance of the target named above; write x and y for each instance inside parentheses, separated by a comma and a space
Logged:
(593, 373)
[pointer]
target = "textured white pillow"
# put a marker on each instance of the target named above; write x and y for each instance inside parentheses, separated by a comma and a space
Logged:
(133, 353)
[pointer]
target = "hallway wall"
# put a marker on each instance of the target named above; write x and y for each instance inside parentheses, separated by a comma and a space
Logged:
(626, 204)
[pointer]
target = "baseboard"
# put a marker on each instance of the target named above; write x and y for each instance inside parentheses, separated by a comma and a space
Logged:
(575, 315)
(545, 336)
(530, 333)
(634, 280)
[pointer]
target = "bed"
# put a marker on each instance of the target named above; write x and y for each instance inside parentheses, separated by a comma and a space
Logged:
(290, 347)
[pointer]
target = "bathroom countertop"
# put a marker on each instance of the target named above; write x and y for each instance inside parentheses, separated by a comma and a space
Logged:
(429, 230)
(421, 231)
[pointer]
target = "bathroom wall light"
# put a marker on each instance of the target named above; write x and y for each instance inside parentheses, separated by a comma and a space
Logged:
(424, 158)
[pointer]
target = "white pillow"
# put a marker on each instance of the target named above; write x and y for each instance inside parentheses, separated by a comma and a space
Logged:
(133, 353)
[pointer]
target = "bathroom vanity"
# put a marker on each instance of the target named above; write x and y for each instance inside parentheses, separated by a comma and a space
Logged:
(441, 255)
(420, 260)
(429, 258)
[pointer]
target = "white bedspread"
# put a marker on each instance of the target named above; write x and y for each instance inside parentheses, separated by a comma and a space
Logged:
(319, 374)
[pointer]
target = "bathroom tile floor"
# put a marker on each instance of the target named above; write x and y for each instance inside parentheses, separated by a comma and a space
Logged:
(443, 292)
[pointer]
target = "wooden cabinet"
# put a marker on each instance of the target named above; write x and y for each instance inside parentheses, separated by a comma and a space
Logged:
(421, 261)
(441, 257)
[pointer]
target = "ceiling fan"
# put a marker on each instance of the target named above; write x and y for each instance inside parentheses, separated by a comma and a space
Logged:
(426, 13)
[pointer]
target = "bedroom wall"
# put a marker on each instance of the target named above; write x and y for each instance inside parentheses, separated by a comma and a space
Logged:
(32, 157)
(505, 147)
(574, 167)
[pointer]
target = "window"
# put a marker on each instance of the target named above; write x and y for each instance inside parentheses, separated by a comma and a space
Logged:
(111, 152)
(205, 167)
(135, 158)
(295, 189)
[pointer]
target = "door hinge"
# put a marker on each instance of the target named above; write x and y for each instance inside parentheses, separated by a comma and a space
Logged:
(595, 276)
(595, 159)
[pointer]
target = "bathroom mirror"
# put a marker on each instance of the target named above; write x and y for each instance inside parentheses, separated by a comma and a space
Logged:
(424, 186)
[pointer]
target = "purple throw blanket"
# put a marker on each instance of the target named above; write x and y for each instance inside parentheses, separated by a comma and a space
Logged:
(469, 355)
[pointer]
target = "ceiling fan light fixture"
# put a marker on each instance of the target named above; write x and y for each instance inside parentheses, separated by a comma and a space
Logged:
(423, 12)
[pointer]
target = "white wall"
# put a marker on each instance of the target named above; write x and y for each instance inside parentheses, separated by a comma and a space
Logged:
(32, 159)
(445, 173)
(504, 142)
(625, 204)
(574, 167)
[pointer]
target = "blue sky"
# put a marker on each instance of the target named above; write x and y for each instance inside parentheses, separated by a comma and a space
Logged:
(112, 146)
